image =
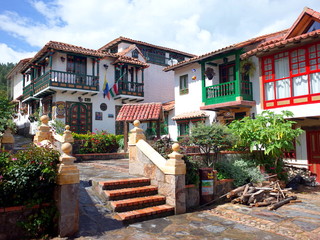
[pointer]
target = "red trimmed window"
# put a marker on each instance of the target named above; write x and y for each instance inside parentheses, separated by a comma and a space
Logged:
(292, 77)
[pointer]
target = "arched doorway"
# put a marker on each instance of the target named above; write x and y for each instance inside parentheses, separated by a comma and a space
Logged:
(79, 117)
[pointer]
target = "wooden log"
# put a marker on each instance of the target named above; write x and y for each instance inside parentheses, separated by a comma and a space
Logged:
(235, 191)
(281, 203)
(255, 195)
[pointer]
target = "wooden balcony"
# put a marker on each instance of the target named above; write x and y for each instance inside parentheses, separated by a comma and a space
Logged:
(132, 91)
(55, 80)
(228, 92)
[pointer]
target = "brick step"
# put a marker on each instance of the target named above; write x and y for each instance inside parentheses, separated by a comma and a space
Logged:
(137, 203)
(146, 213)
(124, 183)
(125, 193)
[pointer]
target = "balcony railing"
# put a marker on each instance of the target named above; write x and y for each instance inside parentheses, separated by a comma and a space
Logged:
(130, 88)
(227, 92)
(60, 79)
(27, 91)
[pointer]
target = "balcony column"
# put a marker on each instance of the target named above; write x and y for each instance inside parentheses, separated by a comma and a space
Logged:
(203, 79)
(50, 62)
(237, 72)
(93, 65)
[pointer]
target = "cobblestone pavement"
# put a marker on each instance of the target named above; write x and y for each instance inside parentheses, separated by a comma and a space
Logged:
(224, 222)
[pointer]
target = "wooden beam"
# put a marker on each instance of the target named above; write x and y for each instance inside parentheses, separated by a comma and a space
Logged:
(73, 92)
(125, 135)
(94, 94)
(313, 118)
(84, 93)
(64, 91)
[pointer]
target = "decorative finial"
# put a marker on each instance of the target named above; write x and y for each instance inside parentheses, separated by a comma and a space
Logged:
(66, 148)
(176, 147)
(44, 119)
(136, 123)
(67, 127)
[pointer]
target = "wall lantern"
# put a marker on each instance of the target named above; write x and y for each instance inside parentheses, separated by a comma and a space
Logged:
(225, 60)
(63, 59)
(105, 66)
(80, 99)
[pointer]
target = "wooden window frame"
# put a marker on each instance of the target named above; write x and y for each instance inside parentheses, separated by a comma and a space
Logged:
(268, 76)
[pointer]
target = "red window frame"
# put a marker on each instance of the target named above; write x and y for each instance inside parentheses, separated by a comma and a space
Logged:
(307, 57)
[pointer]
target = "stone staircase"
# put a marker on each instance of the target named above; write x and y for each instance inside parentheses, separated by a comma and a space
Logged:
(133, 199)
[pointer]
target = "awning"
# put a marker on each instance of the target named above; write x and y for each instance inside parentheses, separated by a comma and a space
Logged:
(191, 115)
(140, 111)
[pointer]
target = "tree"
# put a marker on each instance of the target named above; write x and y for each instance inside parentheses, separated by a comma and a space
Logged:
(211, 139)
(6, 113)
(5, 68)
(270, 133)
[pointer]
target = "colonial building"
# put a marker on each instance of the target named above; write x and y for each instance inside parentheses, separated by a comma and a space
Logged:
(278, 71)
(86, 88)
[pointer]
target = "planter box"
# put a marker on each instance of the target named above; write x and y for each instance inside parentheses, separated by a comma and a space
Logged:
(100, 156)
(10, 216)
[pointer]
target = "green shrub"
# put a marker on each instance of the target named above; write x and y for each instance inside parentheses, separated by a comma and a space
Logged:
(28, 177)
(100, 142)
(240, 170)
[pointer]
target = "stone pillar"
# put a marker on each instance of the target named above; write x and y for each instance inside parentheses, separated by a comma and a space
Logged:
(44, 131)
(7, 140)
(175, 171)
(135, 135)
(67, 192)
(67, 136)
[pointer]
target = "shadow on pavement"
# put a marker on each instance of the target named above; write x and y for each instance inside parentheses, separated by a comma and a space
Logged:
(94, 219)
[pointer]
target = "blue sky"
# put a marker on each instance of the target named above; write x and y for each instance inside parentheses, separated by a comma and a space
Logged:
(195, 26)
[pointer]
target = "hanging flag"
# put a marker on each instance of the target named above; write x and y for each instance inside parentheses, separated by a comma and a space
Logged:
(115, 89)
(111, 92)
(106, 88)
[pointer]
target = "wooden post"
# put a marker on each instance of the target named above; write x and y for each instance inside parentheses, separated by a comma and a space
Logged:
(125, 135)
(158, 129)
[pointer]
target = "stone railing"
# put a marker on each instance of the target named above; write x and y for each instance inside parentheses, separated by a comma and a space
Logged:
(168, 175)
(7, 140)
(67, 190)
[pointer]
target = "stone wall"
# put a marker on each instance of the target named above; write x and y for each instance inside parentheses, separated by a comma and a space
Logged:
(169, 185)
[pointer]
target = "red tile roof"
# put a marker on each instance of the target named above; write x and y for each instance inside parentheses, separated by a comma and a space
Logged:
(18, 67)
(228, 48)
(141, 112)
(130, 60)
(189, 115)
(124, 39)
(168, 106)
(293, 35)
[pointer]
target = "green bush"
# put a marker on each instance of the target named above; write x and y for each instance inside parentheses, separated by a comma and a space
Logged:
(28, 177)
(100, 142)
(240, 170)
(120, 141)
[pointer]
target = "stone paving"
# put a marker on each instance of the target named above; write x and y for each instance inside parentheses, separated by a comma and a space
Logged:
(300, 221)
(223, 222)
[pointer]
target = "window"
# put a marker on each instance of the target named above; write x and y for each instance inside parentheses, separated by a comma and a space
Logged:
(227, 73)
(76, 64)
(292, 76)
(135, 53)
(183, 129)
(314, 26)
(184, 84)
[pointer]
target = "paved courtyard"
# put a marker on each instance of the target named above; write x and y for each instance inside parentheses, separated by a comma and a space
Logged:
(227, 221)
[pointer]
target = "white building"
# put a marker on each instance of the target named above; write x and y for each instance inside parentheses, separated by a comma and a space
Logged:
(68, 82)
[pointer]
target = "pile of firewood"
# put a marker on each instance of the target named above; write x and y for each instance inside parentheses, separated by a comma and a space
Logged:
(271, 195)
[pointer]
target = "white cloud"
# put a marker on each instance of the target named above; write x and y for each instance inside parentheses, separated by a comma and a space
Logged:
(8, 55)
(195, 26)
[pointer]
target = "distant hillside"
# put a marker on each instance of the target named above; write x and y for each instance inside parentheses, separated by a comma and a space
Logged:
(4, 70)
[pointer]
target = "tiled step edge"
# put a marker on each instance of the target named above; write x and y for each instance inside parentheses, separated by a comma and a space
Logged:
(137, 203)
(124, 183)
(125, 193)
(145, 212)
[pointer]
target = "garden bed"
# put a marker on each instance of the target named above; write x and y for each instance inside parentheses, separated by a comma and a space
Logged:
(12, 217)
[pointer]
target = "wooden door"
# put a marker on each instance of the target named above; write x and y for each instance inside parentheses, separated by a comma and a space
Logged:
(313, 147)
(79, 117)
